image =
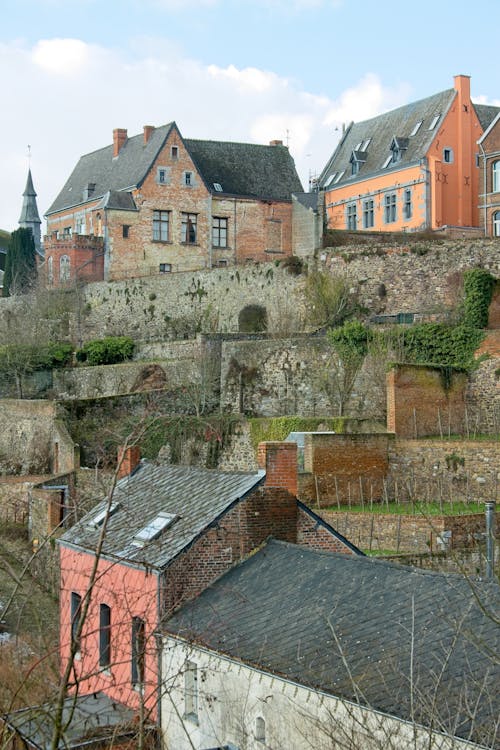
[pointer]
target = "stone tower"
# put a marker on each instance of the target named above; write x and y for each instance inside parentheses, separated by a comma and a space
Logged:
(29, 214)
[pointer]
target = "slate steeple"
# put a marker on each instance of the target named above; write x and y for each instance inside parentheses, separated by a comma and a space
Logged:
(29, 213)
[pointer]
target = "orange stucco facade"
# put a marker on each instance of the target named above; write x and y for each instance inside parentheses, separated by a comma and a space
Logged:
(440, 189)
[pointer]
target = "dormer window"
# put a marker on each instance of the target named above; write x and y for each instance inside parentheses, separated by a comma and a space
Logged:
(398, 147)
(357, 159)
(88, 191)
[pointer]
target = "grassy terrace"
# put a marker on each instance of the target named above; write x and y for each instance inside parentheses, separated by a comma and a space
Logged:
(412, 509)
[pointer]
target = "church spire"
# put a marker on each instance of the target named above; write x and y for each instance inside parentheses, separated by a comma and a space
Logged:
(29, 213)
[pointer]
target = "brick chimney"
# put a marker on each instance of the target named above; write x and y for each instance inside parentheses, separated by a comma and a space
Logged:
(148, 132)
(275, 143)
(279, 459)
(128, 460)
(119, 138)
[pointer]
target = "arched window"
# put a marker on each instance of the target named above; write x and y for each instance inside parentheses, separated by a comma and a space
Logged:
(260, 729)
(50, 269)
(64, 268)
(496, 224)
(495, 188)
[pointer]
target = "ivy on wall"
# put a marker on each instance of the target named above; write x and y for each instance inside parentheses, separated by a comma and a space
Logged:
(278, 428)
(478, 292)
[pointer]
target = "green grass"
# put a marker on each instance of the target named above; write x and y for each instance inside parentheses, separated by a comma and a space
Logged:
(413, 509)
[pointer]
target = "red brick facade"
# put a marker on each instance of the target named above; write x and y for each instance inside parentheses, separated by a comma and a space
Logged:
(489, 187)
(73, 259)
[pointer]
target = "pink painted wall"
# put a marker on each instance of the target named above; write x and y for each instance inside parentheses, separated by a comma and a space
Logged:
(128, 592)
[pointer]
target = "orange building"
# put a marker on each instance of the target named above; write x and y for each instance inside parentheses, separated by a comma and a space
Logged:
(158, 203)
(411, 169)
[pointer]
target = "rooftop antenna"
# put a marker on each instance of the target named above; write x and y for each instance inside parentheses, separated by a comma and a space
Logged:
(29, 156)
(287, 137)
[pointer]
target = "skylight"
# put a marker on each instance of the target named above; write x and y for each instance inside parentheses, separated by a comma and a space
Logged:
(434, 122)
(339, 176)
(218, 187)
(365, 144)
(330, 179)
(387, 162)
(98, 519)
(153, 529)
(416, 128)
(358, 146)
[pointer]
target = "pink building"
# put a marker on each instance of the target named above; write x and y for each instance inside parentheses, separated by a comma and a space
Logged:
(166, 534)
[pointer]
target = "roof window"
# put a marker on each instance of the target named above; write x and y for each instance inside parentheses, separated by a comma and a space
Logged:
(218, 187)
(98, 519)
(434, 122)
(416, 128)
(330, 179)
(387, 162)
(153, 529)
(339, 177)
(365, 144)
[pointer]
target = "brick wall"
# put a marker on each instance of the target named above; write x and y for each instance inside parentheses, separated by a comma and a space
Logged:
(312, 533)
(418, 403)
(344, 468)
(279, 460)
(86, 254)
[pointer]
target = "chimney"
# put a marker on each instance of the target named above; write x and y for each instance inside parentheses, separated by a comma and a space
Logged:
(119, 138)
(148, 132)
(462, 87)
(275, 143)
(128, 460)
(279, 459)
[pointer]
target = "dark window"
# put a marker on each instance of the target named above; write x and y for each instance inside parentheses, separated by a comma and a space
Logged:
(219, 232)
(188, 178)
(104, 635)
(174, 152)
(76, 605)
(125, 231)
(138, 650)
(390, 208)
(161, 226)
(188, 228)
(368, 215)
(352, 217)
(447, 155)
(165, 267)
(407, 207)
(162, 175)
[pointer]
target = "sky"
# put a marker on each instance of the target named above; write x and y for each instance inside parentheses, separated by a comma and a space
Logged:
(238, 70)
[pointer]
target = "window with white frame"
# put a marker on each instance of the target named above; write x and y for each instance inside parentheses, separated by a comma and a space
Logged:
(161, 226)
(496, 224)
(368, 214)
(189, 223)
(448, 155)
(407, 204)
(352, 217)
(495, 174)
(188, 179)
(64, 268)
(163, 175)
(219, 231)
(191, 690)
(416, 128)
(390, 213)
(165, 268)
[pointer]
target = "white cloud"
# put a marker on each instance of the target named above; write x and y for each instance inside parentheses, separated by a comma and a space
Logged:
(483, 99)
(74, 94)
(61, 56)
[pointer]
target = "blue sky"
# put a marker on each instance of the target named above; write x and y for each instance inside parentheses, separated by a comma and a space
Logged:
(72, 70)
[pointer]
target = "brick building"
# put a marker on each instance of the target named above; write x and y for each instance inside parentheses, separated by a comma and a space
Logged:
(410, 169)
(157, 203)
(489, 179)
(169, 532)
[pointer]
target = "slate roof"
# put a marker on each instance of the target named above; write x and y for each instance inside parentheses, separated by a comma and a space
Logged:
(242, 169)
(397, 124)
(29, 211)
(92, 716)
(305, 615)
(197, 496)
(246, 169)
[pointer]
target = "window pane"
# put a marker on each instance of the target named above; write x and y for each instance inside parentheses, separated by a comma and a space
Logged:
(104, 636)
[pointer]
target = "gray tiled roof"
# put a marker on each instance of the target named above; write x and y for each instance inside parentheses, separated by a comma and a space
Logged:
(240, 168)
(246, 169)
(320, 619)
(486, 114)
(197, 496)
(308, 200)
(398, 123)
(107, 173)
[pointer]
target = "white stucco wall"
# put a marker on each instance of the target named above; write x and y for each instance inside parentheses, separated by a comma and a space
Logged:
(232, 696)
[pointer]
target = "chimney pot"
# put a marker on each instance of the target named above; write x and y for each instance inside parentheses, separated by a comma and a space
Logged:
(276, 143)
(119, 138)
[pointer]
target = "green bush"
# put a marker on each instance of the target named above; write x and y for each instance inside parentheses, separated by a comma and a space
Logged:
(440, 344)
(478, 291)
(30, 357)
(107, 351)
